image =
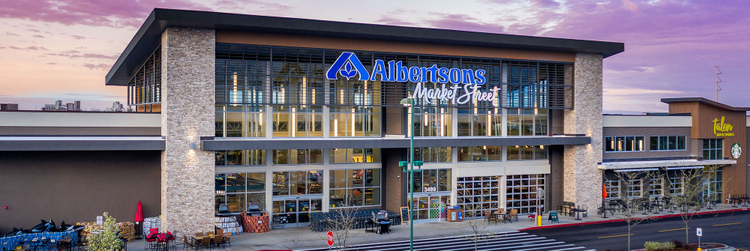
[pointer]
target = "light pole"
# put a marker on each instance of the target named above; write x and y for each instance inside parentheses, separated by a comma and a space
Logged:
(409, 102)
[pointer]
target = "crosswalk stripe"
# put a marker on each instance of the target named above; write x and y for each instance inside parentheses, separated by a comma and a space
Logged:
(504, 241)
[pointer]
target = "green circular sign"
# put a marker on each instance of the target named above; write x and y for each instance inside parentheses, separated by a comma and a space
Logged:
(736, 151)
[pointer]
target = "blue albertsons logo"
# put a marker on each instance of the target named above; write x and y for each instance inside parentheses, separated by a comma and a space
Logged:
(348, 65)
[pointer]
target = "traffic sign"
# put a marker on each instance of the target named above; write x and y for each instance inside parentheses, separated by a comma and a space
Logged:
(699, 231)
(329, 238)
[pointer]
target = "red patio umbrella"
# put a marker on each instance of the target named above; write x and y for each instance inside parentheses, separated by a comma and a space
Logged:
(139, 213)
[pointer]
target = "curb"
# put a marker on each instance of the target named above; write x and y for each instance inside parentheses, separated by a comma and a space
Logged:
(622, 220)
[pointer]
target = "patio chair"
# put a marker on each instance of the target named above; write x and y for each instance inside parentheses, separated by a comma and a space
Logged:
(218, 240)
(513, 215)
(228, 240)
(489, 216)
(206, 241)
(187, 244)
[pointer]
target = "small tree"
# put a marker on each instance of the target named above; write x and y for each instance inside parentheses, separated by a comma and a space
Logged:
(477, 225)
(690, 200)
(106, 238)
(341, 222)
(631, 203)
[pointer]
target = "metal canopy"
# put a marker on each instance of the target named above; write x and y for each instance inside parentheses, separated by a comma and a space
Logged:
(83, 143)
(675, 164)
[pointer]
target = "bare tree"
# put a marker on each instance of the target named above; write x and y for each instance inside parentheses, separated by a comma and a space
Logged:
(631, 203)
(477, 225)
(341, 222)
(689, 200)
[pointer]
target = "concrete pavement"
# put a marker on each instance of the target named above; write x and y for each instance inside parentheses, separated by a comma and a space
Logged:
(304, 238)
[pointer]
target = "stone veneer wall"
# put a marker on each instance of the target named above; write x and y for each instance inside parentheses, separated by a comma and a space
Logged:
(188, 86)
(582, 180)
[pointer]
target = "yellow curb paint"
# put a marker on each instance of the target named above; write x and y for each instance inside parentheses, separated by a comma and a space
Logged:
(728, 224)
(612, 236)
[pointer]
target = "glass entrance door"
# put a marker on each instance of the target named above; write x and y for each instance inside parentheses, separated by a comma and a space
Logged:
(428, 206)
(295, 211)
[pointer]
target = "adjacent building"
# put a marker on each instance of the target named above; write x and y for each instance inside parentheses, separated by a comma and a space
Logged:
(301, 116)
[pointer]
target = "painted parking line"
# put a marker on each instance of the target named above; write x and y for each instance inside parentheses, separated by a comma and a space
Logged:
(728, 224)
(613, 236)
(669, 230)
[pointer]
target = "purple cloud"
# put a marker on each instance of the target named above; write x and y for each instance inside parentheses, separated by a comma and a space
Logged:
(38, 36)
(463, 22)
(76, 54)
(12, 34)
(90, 12)
(77, 37)
(34, 30)
(30, 48)
(97, 66)
(52, 63)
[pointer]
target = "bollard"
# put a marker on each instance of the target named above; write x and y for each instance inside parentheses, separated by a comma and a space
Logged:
(539, 220)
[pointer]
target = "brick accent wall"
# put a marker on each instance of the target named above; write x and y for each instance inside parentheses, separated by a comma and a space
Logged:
(581, 178)
(187, 174)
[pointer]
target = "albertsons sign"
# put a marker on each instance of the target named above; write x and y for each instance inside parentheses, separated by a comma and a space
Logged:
(458, 85)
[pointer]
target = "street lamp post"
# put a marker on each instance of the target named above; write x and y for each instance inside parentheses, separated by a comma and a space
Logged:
(409, 102)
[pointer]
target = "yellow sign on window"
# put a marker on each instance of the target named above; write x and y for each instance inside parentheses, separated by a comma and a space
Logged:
(722, 129)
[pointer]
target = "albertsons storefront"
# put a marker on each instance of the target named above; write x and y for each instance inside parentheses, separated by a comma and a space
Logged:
(297, 116)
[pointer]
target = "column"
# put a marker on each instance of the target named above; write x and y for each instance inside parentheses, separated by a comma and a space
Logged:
(582, 181)
(187, 172)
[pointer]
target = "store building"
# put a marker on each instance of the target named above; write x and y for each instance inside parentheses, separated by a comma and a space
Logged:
(696, 133)
(301, 116)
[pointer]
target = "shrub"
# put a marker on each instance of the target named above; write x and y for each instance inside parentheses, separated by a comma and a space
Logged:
(658, 246)
(106, 238)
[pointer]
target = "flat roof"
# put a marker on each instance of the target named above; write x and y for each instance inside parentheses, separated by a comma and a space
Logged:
(148, 37)
(705, 101)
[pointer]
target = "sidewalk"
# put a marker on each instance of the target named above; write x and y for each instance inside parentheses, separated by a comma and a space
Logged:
(304, 238)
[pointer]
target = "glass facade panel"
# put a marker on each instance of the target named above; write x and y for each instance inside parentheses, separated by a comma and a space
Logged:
(352, 188)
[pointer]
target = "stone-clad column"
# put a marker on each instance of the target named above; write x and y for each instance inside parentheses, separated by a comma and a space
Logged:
(582, 180)
(187, 101)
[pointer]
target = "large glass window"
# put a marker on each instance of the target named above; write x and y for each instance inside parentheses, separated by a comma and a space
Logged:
(476, 194)
(713, 149)
(675, 185)
(297, 156)
(656, 187)
(241, 158)
(712, 185)
(432, 154)
(668, 143)
(238, 190)
(354, 155)
(527, 152)
(521, 192)
(624, 143)
(433, 180)
(613, 189)
(480, 153)
(298, 121)
(298, 183)
(635, 188)
(352, 188)
(527, 122)
(433, 121)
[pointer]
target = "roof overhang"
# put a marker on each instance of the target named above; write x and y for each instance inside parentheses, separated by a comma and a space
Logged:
(148, 37)
(702, 100)
(668, 164)
(83, 143)
(220, 144)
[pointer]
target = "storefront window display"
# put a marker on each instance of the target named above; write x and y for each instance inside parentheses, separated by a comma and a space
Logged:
(239, 189)
(476, 194)
(527, 122)
(352, 188)
(297, 183)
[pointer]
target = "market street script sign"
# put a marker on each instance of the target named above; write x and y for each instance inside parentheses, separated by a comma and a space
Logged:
(457, 85)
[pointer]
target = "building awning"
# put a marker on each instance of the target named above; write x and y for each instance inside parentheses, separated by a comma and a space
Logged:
(674, 164)
(82, 143)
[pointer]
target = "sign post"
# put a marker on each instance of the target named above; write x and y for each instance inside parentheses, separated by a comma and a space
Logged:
(699, 232)
(329, 238)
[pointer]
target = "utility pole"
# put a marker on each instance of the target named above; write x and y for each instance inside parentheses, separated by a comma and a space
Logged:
(718, 80)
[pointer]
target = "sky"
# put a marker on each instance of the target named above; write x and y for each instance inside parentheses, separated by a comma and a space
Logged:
(62, 49)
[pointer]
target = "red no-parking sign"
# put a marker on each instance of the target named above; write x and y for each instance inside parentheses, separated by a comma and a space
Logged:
(329, 238)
